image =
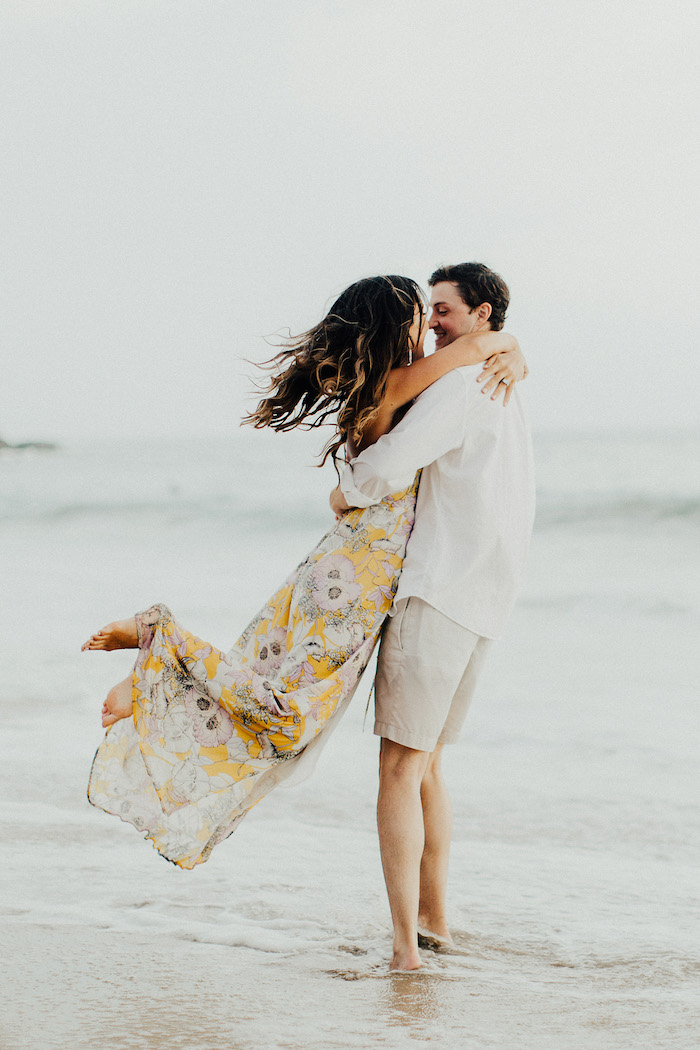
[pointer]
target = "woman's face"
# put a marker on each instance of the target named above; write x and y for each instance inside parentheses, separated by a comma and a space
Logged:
(417, 333)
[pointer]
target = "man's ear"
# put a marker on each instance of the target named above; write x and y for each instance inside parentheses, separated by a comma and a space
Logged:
(483, 313)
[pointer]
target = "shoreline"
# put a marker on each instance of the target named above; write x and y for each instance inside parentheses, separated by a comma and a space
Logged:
(74, 987)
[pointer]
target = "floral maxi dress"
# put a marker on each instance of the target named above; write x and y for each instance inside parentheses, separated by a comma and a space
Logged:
(214, 732)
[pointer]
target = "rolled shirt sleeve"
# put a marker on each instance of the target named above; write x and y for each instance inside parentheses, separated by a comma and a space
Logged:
(432, 426)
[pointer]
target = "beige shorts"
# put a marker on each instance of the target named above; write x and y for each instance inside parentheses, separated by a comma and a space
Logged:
(427, 670)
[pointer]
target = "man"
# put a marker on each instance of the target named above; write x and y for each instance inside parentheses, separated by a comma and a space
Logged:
(462, 568)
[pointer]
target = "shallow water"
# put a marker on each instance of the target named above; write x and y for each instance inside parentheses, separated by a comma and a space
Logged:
(573, 884)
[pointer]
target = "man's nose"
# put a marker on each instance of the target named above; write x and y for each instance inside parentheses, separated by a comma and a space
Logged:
(434, 322)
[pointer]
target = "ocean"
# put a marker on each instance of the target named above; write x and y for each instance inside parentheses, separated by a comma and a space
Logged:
(574, 881)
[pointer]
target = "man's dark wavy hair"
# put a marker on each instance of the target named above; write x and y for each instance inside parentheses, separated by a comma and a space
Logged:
(477, 284)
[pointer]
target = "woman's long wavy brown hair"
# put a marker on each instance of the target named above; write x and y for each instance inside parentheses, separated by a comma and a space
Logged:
(342, 365)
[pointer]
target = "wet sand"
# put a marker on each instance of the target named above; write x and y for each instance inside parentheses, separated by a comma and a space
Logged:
(85, 988)
(573, 887)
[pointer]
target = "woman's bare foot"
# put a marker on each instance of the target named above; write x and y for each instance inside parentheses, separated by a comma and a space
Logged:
(122, 634)
(119, 703)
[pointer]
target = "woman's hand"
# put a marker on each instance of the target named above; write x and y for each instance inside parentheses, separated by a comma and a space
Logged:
(501, 372)
(339, 505)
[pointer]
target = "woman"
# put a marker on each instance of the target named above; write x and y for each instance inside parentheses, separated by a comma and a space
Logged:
(197, 736)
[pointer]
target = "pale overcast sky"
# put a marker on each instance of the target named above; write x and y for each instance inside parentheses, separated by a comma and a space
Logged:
(182, 177)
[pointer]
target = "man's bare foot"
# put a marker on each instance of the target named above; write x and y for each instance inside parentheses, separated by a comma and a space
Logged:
(122, 634)
(119, 703)
(405, 959)
(434, 935)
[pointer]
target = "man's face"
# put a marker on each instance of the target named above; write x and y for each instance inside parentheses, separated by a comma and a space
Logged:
(450, 316)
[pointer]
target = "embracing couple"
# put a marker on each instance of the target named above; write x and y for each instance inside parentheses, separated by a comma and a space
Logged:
(196, 736)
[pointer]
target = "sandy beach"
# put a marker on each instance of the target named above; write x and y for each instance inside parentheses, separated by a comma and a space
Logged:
(577, 825)
(99, 988)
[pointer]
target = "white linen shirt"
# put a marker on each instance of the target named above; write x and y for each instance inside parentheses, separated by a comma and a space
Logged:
(466, 553)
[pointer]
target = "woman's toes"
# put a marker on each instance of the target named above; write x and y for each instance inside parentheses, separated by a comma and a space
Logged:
(122, 634)
(95, 641)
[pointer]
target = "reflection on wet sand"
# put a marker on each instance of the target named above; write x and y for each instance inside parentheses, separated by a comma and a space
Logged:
(409, 998)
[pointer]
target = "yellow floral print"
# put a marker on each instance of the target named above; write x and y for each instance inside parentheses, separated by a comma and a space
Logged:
(214, 732)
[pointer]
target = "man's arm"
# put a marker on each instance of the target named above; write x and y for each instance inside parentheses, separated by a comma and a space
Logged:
(431, 427)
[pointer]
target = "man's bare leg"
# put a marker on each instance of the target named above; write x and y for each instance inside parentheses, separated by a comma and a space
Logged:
(122, 634)
(437, 822)
(401, 841)
(119, 703)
